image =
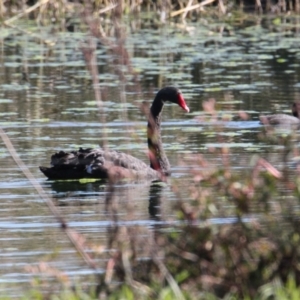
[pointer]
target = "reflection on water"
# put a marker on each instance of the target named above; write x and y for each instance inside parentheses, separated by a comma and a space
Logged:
(252, 71)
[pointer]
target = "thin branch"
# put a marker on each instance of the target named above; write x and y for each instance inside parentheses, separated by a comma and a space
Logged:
(186, 10)
(108, 8)
(192, 7)
(26, 11)
(46, 42)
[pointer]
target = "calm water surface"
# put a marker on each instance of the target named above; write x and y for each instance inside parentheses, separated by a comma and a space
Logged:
(253, 68)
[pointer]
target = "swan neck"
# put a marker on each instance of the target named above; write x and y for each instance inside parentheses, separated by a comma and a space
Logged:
(158, 158)
(156, 108)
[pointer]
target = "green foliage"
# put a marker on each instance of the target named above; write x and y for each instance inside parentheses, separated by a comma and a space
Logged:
(124, 293)
(278, 291)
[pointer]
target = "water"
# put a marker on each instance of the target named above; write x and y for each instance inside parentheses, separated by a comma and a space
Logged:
(252, 68)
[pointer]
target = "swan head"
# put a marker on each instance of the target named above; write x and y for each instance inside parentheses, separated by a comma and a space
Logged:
(174, 95)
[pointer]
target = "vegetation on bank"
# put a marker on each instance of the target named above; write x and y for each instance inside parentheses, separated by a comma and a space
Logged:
(64, 10)
(253, 253)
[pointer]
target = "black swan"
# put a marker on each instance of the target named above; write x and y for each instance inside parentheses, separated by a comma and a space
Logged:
(283, 119)
(99, 163)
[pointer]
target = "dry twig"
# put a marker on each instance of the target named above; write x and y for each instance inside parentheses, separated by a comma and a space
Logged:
(26, 11)
(192, 7)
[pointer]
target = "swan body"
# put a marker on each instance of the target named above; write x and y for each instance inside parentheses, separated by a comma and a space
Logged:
(97, 163)
(283, 119)
(100, 163)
